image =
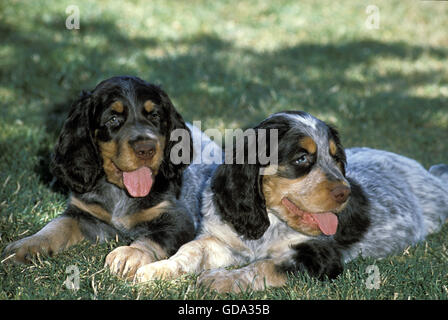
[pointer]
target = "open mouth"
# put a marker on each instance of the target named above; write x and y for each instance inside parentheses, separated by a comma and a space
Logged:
(138, 182)
(327, 222)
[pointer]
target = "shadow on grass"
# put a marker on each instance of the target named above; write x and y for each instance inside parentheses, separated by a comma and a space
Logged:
(219, 83)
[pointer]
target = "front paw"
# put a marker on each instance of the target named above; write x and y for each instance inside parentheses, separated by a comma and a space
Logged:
(163, 269)
(319, 260)
(24, 250)
(124, 261)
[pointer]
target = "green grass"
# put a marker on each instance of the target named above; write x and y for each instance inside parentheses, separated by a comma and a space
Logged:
(228, 64)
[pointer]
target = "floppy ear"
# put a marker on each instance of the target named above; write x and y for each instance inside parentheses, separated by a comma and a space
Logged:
(238, 195)
(169, 169)
(75, 160)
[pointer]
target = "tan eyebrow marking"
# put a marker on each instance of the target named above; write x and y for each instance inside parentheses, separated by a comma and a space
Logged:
(117, 106)
(333, 147)
(148, 105)
(308, 144)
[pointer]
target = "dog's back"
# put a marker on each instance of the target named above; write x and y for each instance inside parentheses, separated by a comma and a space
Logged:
(406, 200)
(440, 171)
(198, 172)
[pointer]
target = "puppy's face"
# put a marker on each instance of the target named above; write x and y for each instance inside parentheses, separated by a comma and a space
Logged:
(309, 188)
(131, 134)
(122, 130)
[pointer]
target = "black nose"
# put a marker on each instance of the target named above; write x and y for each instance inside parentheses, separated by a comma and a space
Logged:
(340, 193)
(144, 149)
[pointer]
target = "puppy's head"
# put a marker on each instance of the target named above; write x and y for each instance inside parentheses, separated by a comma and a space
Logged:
(305, 187)
(309, 187)
(121, 129)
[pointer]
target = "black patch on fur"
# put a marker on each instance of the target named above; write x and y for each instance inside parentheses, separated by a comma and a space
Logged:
(317, 258)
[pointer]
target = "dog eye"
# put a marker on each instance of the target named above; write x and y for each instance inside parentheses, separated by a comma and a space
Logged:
(303, 159)
(154, 116)
(113, 121)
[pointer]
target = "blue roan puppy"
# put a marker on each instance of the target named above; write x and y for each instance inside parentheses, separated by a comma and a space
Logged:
(322, 207)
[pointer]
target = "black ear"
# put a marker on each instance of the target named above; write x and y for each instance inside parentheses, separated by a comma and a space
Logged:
(171, 169)
(238, 196)
(76, 162)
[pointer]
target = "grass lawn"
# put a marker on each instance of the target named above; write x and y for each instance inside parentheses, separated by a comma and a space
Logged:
(229, 64)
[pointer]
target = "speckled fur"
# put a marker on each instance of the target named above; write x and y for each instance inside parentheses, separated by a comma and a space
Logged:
(406, 201)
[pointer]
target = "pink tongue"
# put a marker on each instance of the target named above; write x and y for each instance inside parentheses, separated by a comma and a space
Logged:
(138, 182)
(327, 221)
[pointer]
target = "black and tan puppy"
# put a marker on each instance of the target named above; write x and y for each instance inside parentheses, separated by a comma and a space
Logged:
(114, 155)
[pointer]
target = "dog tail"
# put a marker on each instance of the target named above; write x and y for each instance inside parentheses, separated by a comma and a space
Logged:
(441, 171)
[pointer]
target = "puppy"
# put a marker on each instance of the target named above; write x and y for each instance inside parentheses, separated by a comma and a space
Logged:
(113, 153)
(321, 206)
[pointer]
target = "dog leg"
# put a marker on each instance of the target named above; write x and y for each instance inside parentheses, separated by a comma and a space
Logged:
(256, 276)
(56, 236)
(126, 260)
(192, 257)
